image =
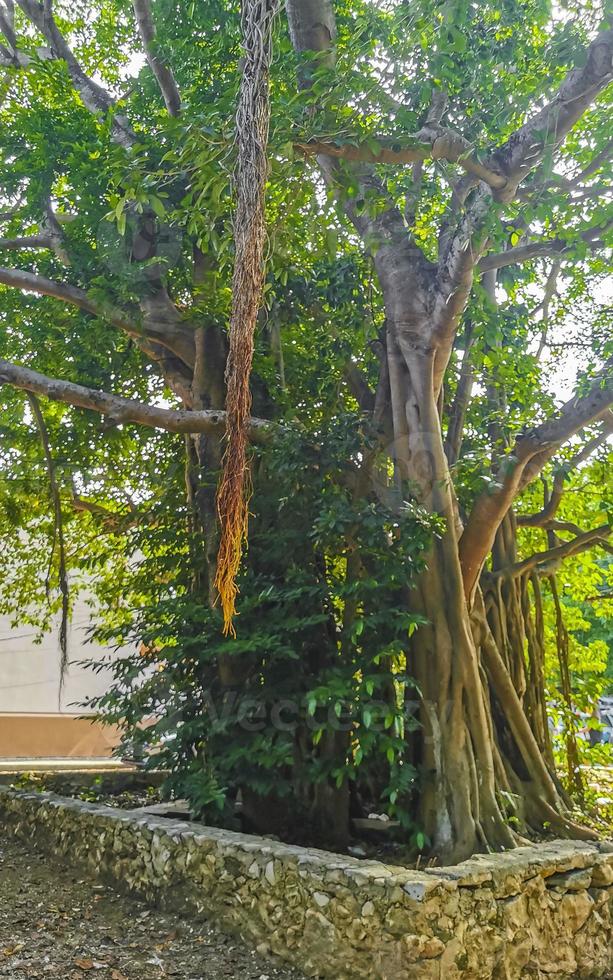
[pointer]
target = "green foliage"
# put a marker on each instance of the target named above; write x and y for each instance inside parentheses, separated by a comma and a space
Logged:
(321, 640)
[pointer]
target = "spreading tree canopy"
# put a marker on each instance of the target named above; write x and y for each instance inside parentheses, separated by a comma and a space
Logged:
(431, 391)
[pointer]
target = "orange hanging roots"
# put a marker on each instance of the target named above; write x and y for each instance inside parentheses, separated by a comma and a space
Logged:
(252, 124)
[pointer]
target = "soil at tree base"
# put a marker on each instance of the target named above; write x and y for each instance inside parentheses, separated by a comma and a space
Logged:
(55, 922)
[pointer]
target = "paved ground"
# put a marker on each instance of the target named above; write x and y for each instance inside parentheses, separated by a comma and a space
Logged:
(54, 924)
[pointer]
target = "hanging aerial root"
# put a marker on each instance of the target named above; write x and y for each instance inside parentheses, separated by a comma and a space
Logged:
(252, 123)
(58, 539)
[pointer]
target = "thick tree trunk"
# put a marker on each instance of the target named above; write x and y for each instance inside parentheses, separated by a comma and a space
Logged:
(458, 809)
(478, 753)
(203, 455)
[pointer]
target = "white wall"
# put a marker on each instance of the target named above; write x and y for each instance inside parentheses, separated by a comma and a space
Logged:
(30, 673)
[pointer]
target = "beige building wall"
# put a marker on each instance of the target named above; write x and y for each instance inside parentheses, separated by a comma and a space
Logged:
(55, 737)
(35, 719)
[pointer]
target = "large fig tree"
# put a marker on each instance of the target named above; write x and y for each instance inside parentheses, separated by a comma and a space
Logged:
(438, 182)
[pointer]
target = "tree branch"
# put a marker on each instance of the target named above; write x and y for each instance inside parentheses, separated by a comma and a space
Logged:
(359, 387)
(10, 57)
(535, 250)
(313, 30)
(31, 282)
(123, 410)
(458, 258)
(26, 242)
(430, 143)
(463, 238)
(162, 71)
(572, 185)
(549, 511)
(115, 522)
(546, 130)
(595, 164)
(505, 167)
(7, 215)
(94, 97)
(522, 465)
(548, 294)
(49, 237)
(539, 445)
(457, 412)
(545, 562)
(7, 23)
(173, 336)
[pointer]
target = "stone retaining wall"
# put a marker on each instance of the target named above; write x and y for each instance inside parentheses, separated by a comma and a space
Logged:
(107, 782)
(542, 911)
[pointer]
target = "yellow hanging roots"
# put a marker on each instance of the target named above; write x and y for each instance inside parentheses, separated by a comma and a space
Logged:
(252, 123)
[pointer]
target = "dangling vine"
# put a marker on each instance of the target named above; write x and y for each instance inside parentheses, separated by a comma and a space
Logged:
(252, 124)
(58, 539)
